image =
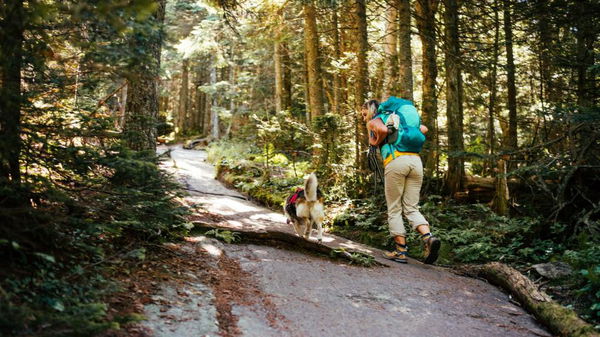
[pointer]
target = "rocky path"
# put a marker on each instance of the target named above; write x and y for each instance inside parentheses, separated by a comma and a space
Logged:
(260, 290)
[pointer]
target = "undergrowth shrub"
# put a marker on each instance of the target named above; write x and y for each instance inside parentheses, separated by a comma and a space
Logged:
(586, 281)
(244, 167)
(58, 251)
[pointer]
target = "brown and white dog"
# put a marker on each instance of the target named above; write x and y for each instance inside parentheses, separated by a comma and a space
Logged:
(305, 208)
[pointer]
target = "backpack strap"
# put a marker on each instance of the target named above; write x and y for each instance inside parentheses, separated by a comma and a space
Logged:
(404, 126)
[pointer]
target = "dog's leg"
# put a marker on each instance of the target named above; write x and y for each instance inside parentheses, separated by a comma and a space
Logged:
(320, 231)
(317, 215)
(308, 228)
(298, 227)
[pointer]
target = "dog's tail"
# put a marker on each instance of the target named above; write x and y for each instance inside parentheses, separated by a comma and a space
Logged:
(310, 187)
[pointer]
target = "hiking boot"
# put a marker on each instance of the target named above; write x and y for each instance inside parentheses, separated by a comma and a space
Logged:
(398, 255)
(432, 248)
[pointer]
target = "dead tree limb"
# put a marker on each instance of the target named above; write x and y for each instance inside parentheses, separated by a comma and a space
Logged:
(560, 320)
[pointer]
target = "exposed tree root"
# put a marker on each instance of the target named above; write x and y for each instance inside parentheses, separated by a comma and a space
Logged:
(560, 320)
(278, 238)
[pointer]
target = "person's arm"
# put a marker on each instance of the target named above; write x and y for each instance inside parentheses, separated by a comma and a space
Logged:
(377, 131)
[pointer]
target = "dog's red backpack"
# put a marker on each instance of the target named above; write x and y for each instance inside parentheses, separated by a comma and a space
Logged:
(294, 197)
(290, 204)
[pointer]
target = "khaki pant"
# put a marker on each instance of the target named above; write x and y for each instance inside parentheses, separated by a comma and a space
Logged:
(403, 180)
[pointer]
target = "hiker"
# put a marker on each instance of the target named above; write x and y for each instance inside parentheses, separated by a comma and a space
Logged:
(395, 127)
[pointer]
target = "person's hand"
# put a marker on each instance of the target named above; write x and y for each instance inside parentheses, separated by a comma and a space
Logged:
(423, 129)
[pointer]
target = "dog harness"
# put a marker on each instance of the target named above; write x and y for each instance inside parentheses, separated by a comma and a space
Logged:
(294, 197)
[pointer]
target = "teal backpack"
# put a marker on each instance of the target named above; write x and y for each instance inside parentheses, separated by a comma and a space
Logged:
(403, 120)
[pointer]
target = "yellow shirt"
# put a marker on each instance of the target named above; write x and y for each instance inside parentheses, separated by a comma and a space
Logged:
(396, 154)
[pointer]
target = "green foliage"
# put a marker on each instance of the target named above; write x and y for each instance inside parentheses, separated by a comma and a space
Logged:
(562, 175)
(66, 240)
(163, 128)
(369, 215)
(471, 233)
(591, 289)
(587, 276)
(218, 151)
(479, 235)
(224, 235)
(144, 195)
(245, 167)
(332, 131)
(85, 204)
(356, 258)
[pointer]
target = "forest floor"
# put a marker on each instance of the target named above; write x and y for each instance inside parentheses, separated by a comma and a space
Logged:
(205, 287)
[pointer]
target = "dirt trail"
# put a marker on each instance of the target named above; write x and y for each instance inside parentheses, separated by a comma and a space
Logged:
(252, 290)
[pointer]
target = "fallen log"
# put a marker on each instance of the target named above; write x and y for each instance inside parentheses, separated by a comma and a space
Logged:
(197, 143)
(559, 319)
(483, 189)
(274, 238)
(471, 182)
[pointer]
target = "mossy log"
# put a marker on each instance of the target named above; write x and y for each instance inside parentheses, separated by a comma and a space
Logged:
(559, 319)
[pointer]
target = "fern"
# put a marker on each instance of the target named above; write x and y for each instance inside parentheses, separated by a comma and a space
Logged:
(224, 235)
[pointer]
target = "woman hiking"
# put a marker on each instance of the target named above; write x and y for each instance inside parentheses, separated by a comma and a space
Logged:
(394, 126)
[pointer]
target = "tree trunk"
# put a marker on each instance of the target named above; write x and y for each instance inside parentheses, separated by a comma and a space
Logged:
(306, 90)
(361, 85)
(586, 35)
(425, 14)
(500, 203)
(456, 169)
(277, 61)
(183, 98)
(286, 99)
(193, 101)
(337, 54)
(390, 84)
(199, 100)
(377, 82)
(141, 111)
(198, 103)
(545, 50)
(311, 49)
(207, 108)
(11, 61)
(405, 75)
(493, 89)
(123, 98)
(232, 105)
(214, 116)
(511, 141)
(345, 20)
